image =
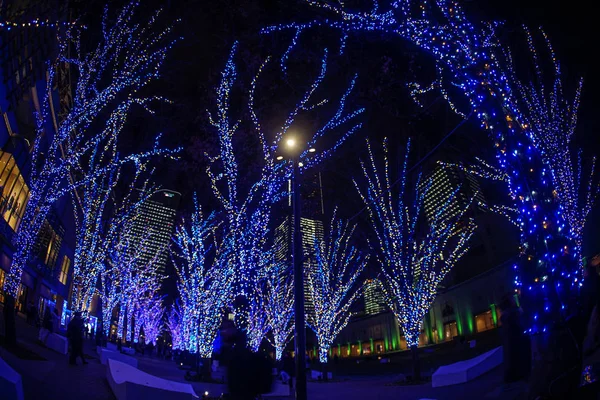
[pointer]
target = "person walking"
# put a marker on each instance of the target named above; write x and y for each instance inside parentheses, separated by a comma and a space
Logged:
(75, 336)
(47, 325)
(289, 369)
(515, 344)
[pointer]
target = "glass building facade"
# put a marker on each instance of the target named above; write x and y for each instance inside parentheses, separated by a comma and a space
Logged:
(155, 226)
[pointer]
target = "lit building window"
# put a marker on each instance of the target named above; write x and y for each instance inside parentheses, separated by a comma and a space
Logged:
(50, 242)
(450, 330)
(64, 270)
(484, 321)
(14, 193)
(2, 278)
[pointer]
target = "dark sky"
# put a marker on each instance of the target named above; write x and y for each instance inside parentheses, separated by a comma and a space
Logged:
(384, 68)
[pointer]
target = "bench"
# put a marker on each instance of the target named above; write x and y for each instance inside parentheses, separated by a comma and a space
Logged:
(57, 343)
(129, 383)
(11, 386)
(464, 371)
(106, 354)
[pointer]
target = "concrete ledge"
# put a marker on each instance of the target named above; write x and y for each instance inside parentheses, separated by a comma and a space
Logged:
(57, 343)
(464, 371)
(105, 355)
(129, 383)
(316, 375)
(128, 350)
(109, 346)
(11, 386)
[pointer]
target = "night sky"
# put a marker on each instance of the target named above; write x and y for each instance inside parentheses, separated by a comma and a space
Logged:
(384, 66)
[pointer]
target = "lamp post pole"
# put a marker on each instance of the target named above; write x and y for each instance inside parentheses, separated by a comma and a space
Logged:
(300, 331)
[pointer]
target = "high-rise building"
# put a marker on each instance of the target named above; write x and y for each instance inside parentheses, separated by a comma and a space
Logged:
(155, 225)
(312, 232)
(373, 296)
(439, 188)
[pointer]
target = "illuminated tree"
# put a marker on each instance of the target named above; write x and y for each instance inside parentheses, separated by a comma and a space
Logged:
(414, 259)
(138, 278)
(332, 283)
(258, 325)
(278, 299)
(530, 128)
(151, 318)
(110, 295)
(551, 119)
(247, 208)
(110, 79)
(99, 217)
(204, 281)
(174, 325)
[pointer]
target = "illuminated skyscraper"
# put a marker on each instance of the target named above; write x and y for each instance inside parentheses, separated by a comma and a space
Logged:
(373, 296)
(157, 219)
(312, 232)
(441, 184)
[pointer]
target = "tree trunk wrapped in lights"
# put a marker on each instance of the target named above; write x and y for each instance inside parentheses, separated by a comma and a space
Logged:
(204, 283)
(111, 297)
(551, 119)
(414, 260)
(332, 285)
(258, 323)
(110, 79)
(246, 201)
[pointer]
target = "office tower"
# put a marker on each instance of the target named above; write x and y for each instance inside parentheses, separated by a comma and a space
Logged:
(373, 296)
(155, 225)
(312, 232)
(440, 186)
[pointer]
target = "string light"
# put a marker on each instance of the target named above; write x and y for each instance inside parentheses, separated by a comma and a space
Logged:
(38, 23)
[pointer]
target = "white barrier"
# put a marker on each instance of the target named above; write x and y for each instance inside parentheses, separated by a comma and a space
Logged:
(11, 386)
(57, 343)
(105, 355)
(464, 371)
(129, 383)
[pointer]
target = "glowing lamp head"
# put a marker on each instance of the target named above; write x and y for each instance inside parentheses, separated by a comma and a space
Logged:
(291, 143)
(279, 158)
(312, 150)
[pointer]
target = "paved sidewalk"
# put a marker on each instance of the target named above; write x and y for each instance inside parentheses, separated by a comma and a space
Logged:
(54, 378)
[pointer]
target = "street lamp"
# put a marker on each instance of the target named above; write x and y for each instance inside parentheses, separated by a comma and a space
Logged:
(292, 150)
